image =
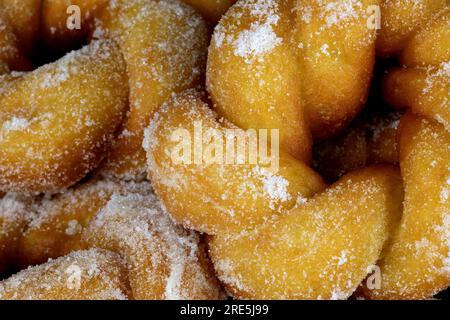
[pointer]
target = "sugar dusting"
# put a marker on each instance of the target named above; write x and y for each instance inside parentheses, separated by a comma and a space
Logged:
(93, 275)
(150, 242)
(259, 38)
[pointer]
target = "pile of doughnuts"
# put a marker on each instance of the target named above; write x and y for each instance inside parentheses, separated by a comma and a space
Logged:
(94, 206)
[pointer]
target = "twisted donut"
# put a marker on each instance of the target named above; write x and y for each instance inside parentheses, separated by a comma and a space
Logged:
(82, 275)
(337, 235)
(315, 251)
(415, 265)
(164, 46)
(302, 67)
(164, 261)
(221, 203)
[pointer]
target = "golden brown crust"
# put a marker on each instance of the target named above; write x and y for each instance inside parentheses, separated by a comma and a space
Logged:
(321, 250)
(58, 120)
(219, 198)
(277, 65)
(416, 263)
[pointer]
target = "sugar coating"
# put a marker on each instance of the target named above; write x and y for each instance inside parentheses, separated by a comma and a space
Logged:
(229, 197)
(83, 275)
(47, 143)
(60, 219)
(15, 213)
(315, 251)
(164, 261)
(165, 45)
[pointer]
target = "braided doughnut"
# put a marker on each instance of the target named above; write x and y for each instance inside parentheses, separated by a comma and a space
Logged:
(164, 45)
(316, 251)
(258, 251)
(82, 275)
(273, 230)
(416, 263)
(58, 120)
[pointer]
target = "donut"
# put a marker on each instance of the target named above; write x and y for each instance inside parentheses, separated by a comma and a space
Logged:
(164, 44)
(116, 177)
(164, 261)
(57, 121)
(82, 275)
(212, 10)
(14, 216)
(289, 56)
(228, 198)
(24, 18)
(59, 220)
(372, 217)
(318, 250)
